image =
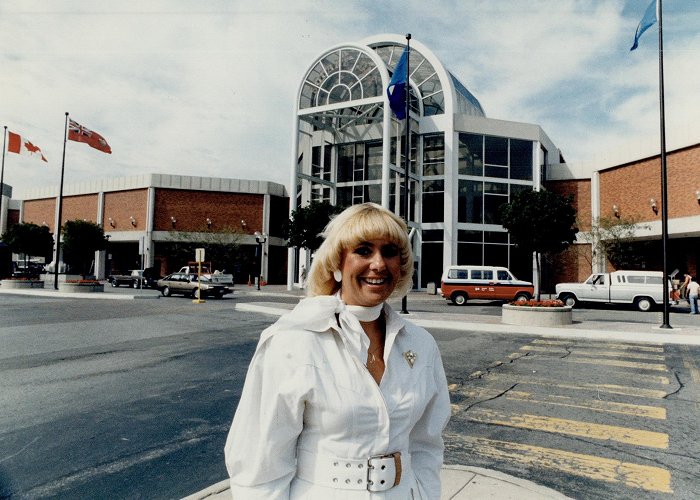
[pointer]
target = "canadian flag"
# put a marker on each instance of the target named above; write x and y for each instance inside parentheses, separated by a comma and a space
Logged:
(23, 146)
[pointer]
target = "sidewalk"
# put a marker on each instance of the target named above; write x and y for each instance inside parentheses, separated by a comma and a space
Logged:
(458, 482)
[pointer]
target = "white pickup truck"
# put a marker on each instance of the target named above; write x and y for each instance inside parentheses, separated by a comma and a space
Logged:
(644, 289)
(215, 276)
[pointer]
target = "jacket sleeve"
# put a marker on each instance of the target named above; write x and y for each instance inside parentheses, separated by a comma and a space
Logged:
(426, 444)
(260, 449)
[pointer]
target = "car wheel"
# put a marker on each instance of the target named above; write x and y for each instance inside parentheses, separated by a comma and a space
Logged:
(135, 284)
(115, 283)
(643, 304)
(166, 291)
(568, 300)
(522, 297)
(196, 293)
(459, 298)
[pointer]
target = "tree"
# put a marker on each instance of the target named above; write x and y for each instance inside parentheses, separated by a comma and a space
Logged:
(81, 239)
(613, 239)
(304, 227)
(30, 240)
(542, 222)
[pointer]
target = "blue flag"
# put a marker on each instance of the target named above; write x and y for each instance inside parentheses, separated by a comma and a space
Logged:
(647, 21)
(397, 87)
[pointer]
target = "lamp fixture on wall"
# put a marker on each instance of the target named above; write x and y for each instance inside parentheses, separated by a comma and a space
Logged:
(173, 221)
(653, 205)
(133, 221)
(244, 224)
(616, 211)
(111, 222)
(209, 222)
(697, 195)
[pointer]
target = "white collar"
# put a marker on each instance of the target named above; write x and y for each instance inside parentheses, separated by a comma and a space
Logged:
(363, 313)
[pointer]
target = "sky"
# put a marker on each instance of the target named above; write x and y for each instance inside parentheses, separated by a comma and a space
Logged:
(208, 88)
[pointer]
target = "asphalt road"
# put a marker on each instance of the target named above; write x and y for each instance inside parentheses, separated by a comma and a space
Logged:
(133, 399)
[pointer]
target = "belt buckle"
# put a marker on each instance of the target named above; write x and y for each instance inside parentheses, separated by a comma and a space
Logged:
(386, 474)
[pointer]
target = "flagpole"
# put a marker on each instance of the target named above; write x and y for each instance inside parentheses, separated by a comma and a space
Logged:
(2, 173)
(664, 190)
(60, 205)
(407, 160)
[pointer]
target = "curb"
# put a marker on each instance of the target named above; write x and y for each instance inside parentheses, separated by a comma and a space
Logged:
(78, 295)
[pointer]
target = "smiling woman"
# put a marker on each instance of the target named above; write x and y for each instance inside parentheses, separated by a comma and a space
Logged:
(343, 395)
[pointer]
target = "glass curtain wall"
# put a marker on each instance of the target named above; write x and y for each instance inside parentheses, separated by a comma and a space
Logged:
(491, 170)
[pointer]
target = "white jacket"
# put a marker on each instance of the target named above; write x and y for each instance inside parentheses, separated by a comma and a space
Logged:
(308, 391)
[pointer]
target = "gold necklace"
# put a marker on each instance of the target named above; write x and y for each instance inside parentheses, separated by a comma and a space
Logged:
(372, 354)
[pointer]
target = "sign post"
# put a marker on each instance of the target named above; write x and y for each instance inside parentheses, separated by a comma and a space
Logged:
(199, 257)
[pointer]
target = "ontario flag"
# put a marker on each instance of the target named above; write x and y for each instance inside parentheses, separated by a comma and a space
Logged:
(23, 146)
(78, 133)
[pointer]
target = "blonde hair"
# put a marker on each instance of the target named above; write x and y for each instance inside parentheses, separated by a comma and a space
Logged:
(347, 230)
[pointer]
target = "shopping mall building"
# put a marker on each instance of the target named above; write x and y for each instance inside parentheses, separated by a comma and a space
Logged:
(348, 148)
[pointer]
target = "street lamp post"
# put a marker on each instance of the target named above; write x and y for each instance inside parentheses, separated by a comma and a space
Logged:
(261, 238)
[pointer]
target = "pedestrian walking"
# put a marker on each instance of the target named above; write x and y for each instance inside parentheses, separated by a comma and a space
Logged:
(684, 286)
(693, 289)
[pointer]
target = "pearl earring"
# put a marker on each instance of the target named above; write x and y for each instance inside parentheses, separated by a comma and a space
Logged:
(337, 275)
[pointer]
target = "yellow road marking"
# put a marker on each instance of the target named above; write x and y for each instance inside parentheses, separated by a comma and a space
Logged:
(622, 347)
(604, 432)
(480, 394)
(623, 364)
(632, 475)
(608, 388)
(590, 352)
(646, 411)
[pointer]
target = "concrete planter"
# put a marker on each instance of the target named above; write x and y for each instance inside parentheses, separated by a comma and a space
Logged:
(80, 287)
(21, 284)
(536, 316)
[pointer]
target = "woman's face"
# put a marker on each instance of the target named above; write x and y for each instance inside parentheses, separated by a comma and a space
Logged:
(370, 272)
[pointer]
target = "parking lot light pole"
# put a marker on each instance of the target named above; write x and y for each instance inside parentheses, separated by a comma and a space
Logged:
(260, 238)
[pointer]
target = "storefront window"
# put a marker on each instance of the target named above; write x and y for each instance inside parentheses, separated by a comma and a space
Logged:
(471, 154)
(496, 151)
(521, 159)
(434, 155)
(433, 201)
(470, 201)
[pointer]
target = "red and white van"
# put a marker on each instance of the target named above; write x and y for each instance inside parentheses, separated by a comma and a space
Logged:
(461, 283)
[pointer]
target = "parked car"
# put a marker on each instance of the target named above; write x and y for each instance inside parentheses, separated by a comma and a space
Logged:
(137, 278)
(644, 289)
(461, 283)
(190, 285)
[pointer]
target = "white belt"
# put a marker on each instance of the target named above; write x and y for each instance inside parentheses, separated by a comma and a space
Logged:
(377, 473)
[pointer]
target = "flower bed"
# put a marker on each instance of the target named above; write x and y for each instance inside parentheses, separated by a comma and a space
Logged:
(537, 313)
(539, 303)
(19, 283)
(81, 286)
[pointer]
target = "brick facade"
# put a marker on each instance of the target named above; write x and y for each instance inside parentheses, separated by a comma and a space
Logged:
(121, 206)
(40, 212)
(79, 207)
(191, 209)
(631, 186)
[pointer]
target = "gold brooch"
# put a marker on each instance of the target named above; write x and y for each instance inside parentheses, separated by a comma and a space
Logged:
(410, 357)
